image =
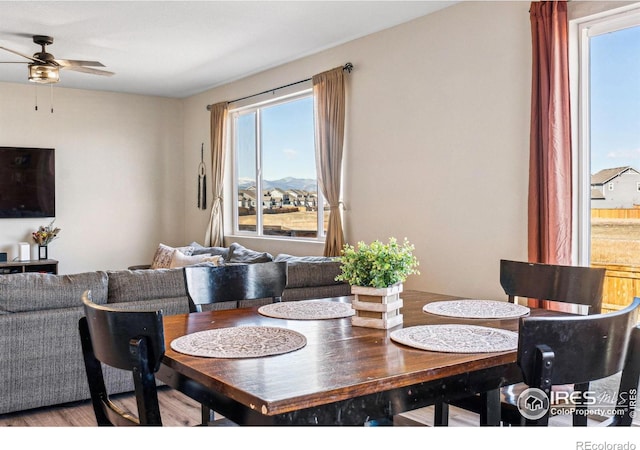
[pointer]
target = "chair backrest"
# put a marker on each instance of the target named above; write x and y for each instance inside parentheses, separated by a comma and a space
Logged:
(127, 340)
(565, 284)
(210, 284)
(579, 349)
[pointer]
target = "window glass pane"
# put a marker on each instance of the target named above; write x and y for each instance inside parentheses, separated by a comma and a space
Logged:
(606, 94)
(289, 182)
(246, 148)
(615, 147)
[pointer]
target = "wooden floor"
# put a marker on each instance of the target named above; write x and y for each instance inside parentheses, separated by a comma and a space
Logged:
(176, 409)
(180, 411)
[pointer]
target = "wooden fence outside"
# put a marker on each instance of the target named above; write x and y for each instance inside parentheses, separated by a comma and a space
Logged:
(633, 213)
(622, 282)
(621, 285)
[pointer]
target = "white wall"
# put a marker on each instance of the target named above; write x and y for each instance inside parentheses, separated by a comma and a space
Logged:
(119, 173)
(437, 145)
(437, 151)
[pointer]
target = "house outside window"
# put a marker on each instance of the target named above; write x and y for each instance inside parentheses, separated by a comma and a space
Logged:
(275, 182)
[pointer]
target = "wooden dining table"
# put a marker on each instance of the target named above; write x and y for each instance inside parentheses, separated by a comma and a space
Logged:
(344, 375)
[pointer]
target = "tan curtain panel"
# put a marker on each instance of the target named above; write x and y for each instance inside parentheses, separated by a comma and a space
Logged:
(215, 230)
(329, 98)
(550, 180)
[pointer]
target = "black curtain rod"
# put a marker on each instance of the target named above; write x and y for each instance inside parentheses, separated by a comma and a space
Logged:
(348, 67)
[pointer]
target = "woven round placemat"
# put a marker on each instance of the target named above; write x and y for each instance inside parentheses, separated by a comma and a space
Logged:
(476, 309)
(453, 338)
(240, 342)
(307, 310)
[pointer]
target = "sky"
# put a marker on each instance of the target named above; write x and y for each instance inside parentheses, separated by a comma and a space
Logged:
(287, 140)
(615, 100)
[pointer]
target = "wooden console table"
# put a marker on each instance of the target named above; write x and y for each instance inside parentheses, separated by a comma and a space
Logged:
(34, 265)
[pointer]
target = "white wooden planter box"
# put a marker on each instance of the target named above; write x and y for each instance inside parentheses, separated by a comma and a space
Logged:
(377, 307)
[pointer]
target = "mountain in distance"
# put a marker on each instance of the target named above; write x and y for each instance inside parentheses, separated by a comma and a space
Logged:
(302, 184)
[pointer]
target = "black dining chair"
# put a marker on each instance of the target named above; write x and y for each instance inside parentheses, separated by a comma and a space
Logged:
(577, 350)
(574, 287)
(127, 340)
(554, 284)
(207, 285)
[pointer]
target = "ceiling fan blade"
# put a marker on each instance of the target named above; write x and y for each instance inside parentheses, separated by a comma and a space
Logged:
(77, 62)
(88, 70)
(22, 54)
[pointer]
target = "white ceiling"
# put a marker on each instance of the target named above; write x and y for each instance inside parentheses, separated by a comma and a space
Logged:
(180, 48)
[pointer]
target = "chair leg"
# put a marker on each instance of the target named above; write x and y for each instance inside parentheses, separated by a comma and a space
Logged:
(95, 376)
(144, 382)
(207, 415)
(490, 411)
(440, 414)
(580, 414)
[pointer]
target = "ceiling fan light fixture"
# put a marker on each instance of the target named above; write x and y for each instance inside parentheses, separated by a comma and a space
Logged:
(43, 73)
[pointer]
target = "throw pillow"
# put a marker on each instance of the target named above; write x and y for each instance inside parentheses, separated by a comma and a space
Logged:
(240, 254)
(201, 250)
(291, 258)
(164, 253)
(179, 259)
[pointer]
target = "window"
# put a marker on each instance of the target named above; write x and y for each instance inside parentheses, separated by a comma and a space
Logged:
(606, 123)
(604, 74)
(276, 186)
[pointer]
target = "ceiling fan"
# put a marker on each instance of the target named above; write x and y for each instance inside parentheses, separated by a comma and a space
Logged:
(44, 68)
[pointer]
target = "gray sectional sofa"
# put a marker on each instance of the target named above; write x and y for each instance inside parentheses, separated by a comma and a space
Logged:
(40, 356)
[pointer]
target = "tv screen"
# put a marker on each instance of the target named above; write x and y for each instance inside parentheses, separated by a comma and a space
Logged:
(27, 182)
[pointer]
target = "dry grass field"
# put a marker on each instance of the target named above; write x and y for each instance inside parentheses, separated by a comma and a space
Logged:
(301, 220)
(615, 241)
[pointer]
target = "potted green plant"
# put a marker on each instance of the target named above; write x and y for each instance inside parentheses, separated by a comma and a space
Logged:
(376, 273)
(377, 265)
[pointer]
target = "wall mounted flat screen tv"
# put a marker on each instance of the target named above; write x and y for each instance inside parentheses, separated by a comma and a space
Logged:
(27, 182)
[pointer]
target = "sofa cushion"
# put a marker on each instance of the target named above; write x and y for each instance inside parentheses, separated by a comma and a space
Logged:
(201, 250)
(305, 293)
(240, 254)
(134, 285)
(38, 291)
(164, 254)
(309, 271)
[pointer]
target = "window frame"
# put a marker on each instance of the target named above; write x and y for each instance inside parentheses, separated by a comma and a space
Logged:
(580, 31)
(255, 104)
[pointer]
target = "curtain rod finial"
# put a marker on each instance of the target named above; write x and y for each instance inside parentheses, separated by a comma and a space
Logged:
(348, 67)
